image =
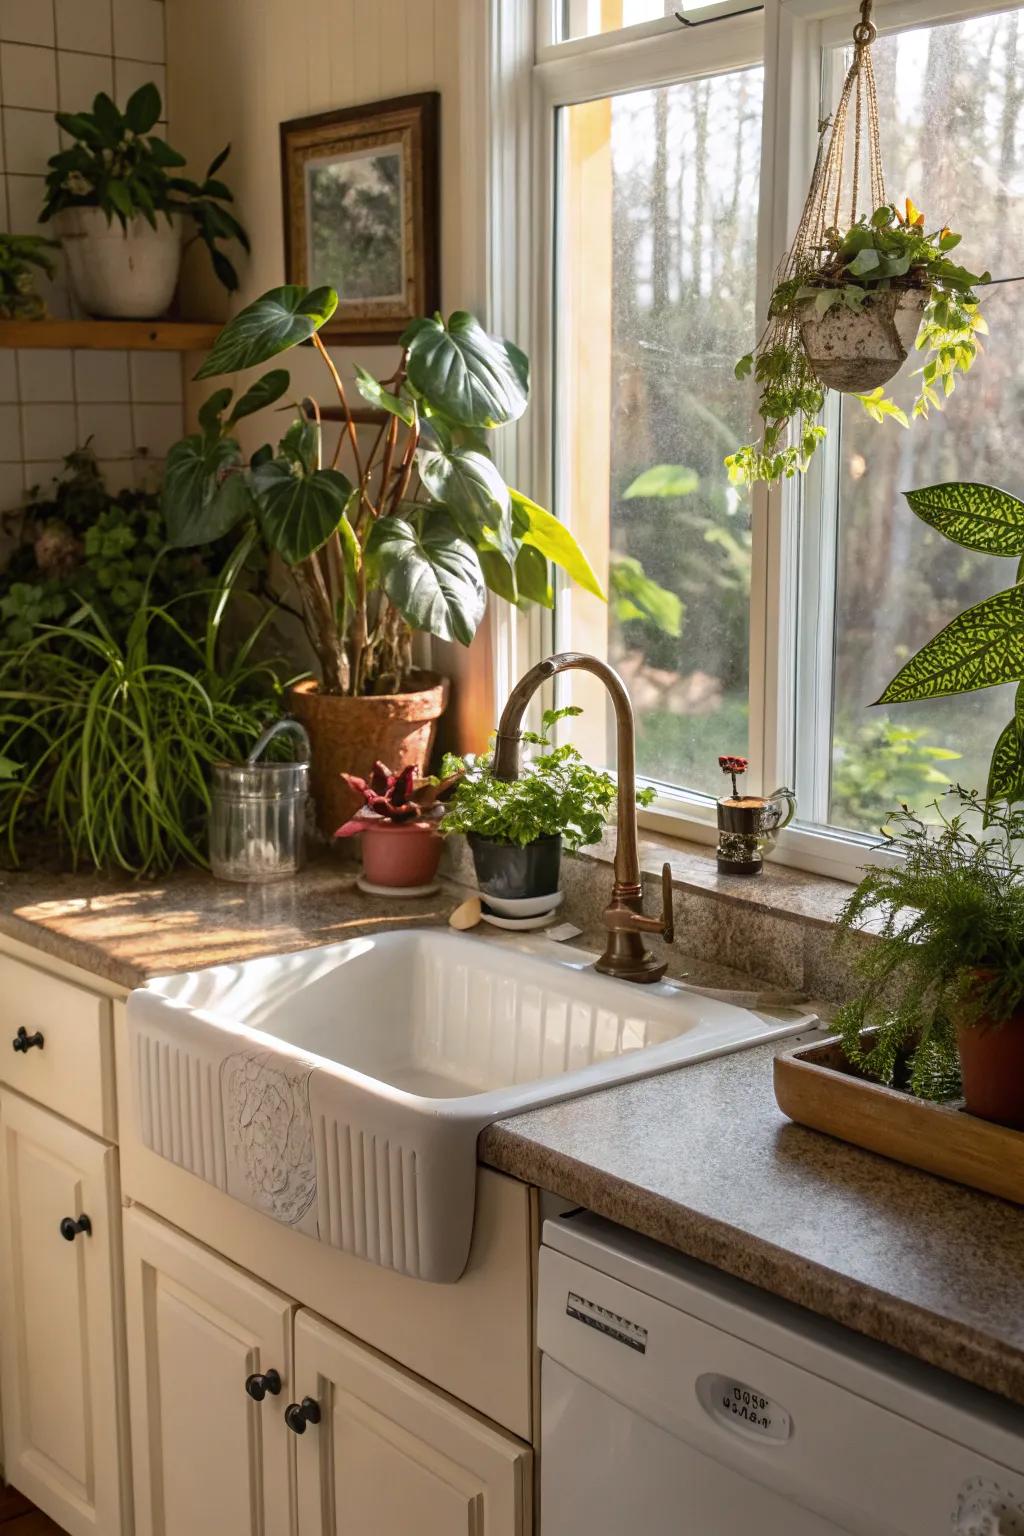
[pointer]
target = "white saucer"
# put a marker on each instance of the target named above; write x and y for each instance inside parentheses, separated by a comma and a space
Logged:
(399, 891)
(523, 906)
(522, 923)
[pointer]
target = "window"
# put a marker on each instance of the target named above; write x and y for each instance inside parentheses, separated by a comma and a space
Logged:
(764, 625)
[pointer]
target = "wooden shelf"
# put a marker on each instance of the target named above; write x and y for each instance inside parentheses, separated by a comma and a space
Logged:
(111, 335)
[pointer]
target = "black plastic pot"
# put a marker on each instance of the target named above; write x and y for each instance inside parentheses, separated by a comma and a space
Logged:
(511, 873)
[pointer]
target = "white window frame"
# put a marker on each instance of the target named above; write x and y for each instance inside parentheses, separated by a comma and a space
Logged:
(536, 78)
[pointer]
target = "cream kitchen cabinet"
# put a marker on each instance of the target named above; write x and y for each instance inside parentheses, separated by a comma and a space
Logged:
(381, 1454)
(64, 1402)
(209, 1353)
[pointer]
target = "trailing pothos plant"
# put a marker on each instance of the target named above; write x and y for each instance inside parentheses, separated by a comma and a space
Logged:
(420, 526)
(984, 645)
(890, 250)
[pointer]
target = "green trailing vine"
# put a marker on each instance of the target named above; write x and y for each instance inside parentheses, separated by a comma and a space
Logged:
(890, 251)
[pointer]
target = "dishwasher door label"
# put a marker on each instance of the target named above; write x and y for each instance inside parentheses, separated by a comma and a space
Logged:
(737, 1405)
(616, 1327)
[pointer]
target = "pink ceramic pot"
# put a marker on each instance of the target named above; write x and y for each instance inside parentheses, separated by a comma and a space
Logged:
(400, 854)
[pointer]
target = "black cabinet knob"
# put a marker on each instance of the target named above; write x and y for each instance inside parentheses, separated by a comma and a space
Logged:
(70, 1228)
(298, 1415)
(258, 1386)
(23, 1041)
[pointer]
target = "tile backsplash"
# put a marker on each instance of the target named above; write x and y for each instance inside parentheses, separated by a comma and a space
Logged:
(59, 53)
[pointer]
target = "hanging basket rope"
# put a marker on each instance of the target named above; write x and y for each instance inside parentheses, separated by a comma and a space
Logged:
(852, 291)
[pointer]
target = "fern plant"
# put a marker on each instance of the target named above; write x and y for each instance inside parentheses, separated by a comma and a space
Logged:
(949, 949)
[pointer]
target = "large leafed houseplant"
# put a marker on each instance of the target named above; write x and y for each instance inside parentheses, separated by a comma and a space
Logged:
(409, 536)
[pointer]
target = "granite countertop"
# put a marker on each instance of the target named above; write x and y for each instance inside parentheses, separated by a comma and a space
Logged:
(701, 1158)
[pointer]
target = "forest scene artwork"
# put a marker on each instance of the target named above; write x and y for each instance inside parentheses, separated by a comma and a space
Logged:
(361, 212)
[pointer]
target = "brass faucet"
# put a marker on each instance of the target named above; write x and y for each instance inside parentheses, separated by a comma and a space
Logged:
(625, 954)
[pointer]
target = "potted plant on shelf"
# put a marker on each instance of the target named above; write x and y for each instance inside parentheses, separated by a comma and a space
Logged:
(120, 208)
(22, 257)
(942, 983)
(847, 319)
(516, 828)
(398, 828)
(410, 540)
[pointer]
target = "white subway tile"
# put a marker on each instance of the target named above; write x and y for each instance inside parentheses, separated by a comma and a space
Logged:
(26, 21)
(10, 434)
(157, 428)
(139, 30)
(149, 474)
(8, 376)
(38, 475)
(28, 76)
(118, 474)
(82, 76)
(130, 74)
(109, 427)
(12, 487)
(45, 374)
(49, 431)
(101, 376)
(24, 205)
(30, 138)
(156, 377)
(84, 25)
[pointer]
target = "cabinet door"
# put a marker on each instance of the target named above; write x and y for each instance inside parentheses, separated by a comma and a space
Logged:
(392, 1457)
(60, 1319)
(209, 1460)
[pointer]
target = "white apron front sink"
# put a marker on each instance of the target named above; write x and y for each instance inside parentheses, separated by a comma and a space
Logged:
(341, 1090)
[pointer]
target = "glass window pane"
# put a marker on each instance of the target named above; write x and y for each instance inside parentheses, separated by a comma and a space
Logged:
(955, 88)
(587, 18)
(657, 232)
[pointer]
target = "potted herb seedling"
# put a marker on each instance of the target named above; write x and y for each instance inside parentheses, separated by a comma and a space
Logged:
(22, 257)
(942, 982)
(516, 829)
(409, 538)
(120, 206)
(398, 828)
(846, 318)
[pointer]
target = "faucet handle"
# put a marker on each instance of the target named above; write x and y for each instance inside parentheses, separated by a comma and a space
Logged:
(668, 926)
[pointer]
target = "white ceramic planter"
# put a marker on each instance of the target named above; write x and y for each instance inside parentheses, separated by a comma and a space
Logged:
(855, 352)
(121, 274)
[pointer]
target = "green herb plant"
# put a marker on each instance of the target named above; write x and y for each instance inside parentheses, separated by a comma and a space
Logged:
(949, 945)
(22, 258)
(421, 526)
(107, 750)
(557, 794)
(116, 162)
(983, 646)
(890, 250)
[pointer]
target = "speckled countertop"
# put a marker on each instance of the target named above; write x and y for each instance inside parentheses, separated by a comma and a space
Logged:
(701, 1159)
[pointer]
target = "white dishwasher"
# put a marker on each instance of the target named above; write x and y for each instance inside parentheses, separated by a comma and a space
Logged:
(676, 1401)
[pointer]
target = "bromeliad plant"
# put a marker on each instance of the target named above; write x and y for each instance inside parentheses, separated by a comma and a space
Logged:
(395, 797)
(423, 524)
(22, 258)
(888, 254)
(557, 794)
(984, 645)
(117, 163)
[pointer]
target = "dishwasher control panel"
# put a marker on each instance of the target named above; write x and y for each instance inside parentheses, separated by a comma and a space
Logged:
(738, 1405)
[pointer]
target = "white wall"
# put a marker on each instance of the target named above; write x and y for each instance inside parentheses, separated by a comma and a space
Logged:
(59, 53)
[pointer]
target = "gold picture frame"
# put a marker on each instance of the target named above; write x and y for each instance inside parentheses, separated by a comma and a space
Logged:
(361, 190)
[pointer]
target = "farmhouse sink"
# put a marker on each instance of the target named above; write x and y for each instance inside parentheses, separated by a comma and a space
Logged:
(341, 1090)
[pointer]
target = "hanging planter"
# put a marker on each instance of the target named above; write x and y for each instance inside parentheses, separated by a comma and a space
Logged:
(850, 305)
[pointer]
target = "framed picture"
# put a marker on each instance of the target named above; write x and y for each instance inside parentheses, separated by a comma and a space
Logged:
(361, 204)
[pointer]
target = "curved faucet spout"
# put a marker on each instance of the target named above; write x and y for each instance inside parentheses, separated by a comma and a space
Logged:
(625, 955)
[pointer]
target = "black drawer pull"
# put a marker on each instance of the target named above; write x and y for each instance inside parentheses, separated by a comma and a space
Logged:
(70, 1228)
(258, 1386)
(23, 1041)
(298, 1415)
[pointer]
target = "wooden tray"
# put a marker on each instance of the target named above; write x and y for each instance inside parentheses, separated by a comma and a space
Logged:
(816, 1086)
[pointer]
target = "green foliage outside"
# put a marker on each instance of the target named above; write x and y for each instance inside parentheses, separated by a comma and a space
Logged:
(557, 793)
(356, 225)
(880, 765)
(22, 258)
(116, 162)
(950, 949)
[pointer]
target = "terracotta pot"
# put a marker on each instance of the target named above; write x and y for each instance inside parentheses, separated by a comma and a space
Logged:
(992, 1068)
(401, 854)
(350, 735)
(855, 352)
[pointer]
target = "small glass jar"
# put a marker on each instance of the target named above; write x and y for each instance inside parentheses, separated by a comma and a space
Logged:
(258, 814)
